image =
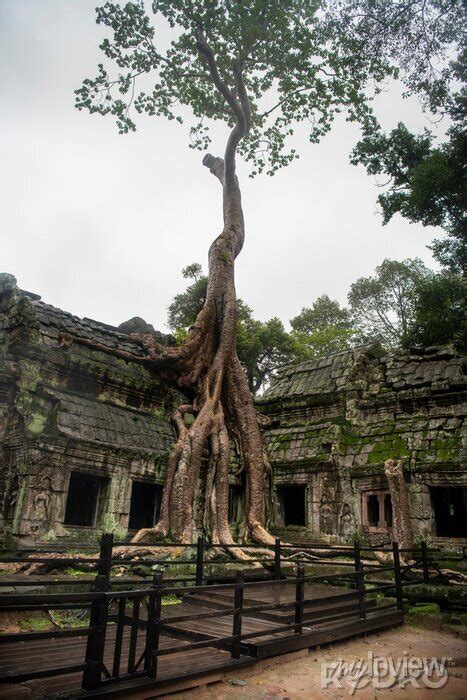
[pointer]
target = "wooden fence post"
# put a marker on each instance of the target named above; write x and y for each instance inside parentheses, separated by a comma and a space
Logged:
(359, 579)
(153, 628)
(237, 617)
(105, 558)
(199, 560)
(397, 575)
(426, 573)
(299, 596)
(277, 558)
(98, 617)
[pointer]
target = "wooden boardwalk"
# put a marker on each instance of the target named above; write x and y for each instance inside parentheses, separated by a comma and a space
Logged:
(330, 613)
(34, 657)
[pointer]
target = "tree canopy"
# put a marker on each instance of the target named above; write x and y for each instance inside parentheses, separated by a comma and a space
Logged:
(427, 183)
(383, 305)
(323, 328)
(425, 177)
(440, 313)
(296, 60)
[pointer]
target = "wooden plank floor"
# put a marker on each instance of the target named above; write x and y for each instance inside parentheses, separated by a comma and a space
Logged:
(27, 657)
(315, 630)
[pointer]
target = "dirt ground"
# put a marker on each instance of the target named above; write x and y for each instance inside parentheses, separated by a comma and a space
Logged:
(300, 678)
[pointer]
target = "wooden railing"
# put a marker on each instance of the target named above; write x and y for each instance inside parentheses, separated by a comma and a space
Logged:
(107, 604)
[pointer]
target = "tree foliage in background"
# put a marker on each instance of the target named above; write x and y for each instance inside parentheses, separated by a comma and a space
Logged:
(424, 178)
(383, 305)
(422, 41)
(427, 183)
(263, 347)
(440, 313)
(323, 328)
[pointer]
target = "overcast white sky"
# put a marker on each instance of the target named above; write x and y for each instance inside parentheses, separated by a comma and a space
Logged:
(101, 224)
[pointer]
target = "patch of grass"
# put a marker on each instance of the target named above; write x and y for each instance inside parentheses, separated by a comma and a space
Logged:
(170, 599)
(76, 573)
(68, 618)
(35, 624)
(431, 608)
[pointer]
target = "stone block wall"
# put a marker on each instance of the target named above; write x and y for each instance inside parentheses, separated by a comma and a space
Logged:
(68, 408)
(335, 421)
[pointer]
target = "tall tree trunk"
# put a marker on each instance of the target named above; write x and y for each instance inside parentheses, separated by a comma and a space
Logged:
(222, 401)
(402, 524)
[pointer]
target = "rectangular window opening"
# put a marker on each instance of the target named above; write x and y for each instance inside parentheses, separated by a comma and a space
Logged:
(450, 510)
(373, 510)
(292, 502)
(235, 496)
(85, 496)
(145, 504)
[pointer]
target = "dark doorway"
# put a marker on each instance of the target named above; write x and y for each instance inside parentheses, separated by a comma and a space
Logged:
(373, 510)
(235, 495)
(292, 500)
(84, 494)
(450, 507)
(145, 504)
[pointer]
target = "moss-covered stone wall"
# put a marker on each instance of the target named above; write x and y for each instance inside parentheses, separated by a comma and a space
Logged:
(66, 407)
(334, 422)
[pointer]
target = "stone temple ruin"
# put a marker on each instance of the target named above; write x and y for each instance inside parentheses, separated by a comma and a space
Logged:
(86, 435)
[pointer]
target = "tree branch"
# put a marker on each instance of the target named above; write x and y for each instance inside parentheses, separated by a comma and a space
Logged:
(220, 84)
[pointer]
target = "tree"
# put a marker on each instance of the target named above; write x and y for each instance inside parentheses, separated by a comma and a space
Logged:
(262, 347)
(422, 41)
(186, 306)
(259, 66)
(323, 328)
(425, 180)
(440, 313)
(427, 183)
(384, 305)
(193, 271)
(323, 341)
(402, 522)
(323, 312)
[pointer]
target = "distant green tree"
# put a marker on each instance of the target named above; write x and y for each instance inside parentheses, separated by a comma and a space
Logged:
(384, 305)
(323, 328)
(427, 183)
(263, 347)
(185, 306)
(440, 313)
(425, 178)
(323, 341)
(323, 312)
(193, 271)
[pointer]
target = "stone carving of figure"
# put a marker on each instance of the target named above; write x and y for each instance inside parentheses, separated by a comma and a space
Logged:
(345, 525)
(41, 507)
(326, 517)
